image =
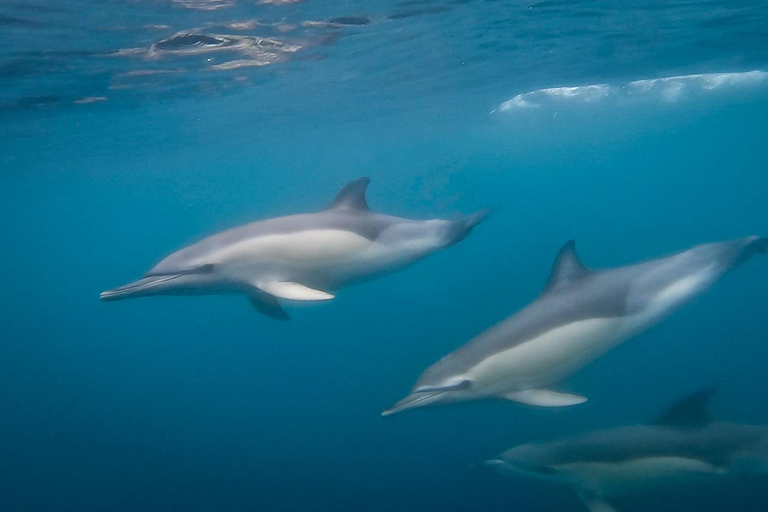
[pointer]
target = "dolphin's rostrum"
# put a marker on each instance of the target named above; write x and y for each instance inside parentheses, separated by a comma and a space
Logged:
(305, 257)
(580, 315)
(682, 446)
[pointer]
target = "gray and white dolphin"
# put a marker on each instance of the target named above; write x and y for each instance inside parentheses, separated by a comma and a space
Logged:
(580, 315)
(683, 446)
(303, 257)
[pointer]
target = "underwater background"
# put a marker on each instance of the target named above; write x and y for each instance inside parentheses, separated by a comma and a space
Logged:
(131, 128)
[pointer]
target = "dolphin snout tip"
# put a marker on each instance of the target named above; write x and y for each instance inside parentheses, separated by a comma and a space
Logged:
(487, 464)
(106, 295)
(395, 408)
(114, 294)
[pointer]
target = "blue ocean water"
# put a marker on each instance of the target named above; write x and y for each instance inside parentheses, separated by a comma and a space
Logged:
(134, 127)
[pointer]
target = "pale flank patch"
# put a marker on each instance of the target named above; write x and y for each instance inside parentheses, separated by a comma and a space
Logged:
(304, 249)
(670, 299)
(615, 478)
(402, 244)
(681, 290)
(547, 358)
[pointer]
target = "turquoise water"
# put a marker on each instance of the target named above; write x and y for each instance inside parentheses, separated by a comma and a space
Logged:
(115, 153)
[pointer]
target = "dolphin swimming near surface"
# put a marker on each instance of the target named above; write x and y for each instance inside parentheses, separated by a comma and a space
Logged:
(303, 257)
(580, 315)
(683, 446)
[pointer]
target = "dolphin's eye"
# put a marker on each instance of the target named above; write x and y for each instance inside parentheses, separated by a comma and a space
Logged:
(545, 470)
(205, 269)
(465, 384)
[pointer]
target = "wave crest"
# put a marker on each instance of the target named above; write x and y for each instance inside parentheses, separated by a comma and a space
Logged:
(669, 89)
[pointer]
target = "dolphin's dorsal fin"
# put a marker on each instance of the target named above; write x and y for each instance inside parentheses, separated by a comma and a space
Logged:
(690, 411)
(566, 269)
(351, 196)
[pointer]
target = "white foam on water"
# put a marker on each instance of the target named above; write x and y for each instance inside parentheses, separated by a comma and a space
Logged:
(667, 89)
(205, 5)
(581, 93)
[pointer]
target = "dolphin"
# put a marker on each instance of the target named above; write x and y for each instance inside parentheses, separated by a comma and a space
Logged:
(683, 446)
(580, 315)
(305, 257)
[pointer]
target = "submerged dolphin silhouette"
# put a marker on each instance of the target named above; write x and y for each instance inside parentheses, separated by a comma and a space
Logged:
(302, 257)
(682, 446)
(580, 315)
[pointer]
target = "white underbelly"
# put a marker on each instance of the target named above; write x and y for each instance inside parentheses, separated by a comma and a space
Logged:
(546, 359)
(616, 478)
(332, 256)
(302, 249)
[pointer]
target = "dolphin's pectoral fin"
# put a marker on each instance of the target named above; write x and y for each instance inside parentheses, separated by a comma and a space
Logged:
(293, 291)
(545, 398)
(595, 503)
(263, 297)
(267, 304)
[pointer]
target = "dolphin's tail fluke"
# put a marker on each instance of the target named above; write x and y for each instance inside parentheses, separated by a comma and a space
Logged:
(462, 225)
(760, 245)
(476, 218)
(754, 245)
(138, 288)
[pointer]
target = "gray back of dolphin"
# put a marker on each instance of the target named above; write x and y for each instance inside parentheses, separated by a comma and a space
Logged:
(579, 316)
(574, 293)
(299, 257)
(683, 443)
(361, 221)
(349, 211)
(684, 430)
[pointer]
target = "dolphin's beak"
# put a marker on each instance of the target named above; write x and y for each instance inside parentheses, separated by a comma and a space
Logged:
(505, 467)
(496, 464)
(417, 399)
(137, 288)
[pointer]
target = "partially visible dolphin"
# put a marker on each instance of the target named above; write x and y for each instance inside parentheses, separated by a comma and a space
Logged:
(682, 446)
(580, 315)
(302, 257)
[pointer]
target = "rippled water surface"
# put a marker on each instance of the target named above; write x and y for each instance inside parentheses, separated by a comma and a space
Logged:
(302, 57)
(132, 128)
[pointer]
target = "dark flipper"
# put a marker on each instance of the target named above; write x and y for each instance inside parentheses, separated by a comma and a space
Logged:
(268, 305)
(595, 503)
